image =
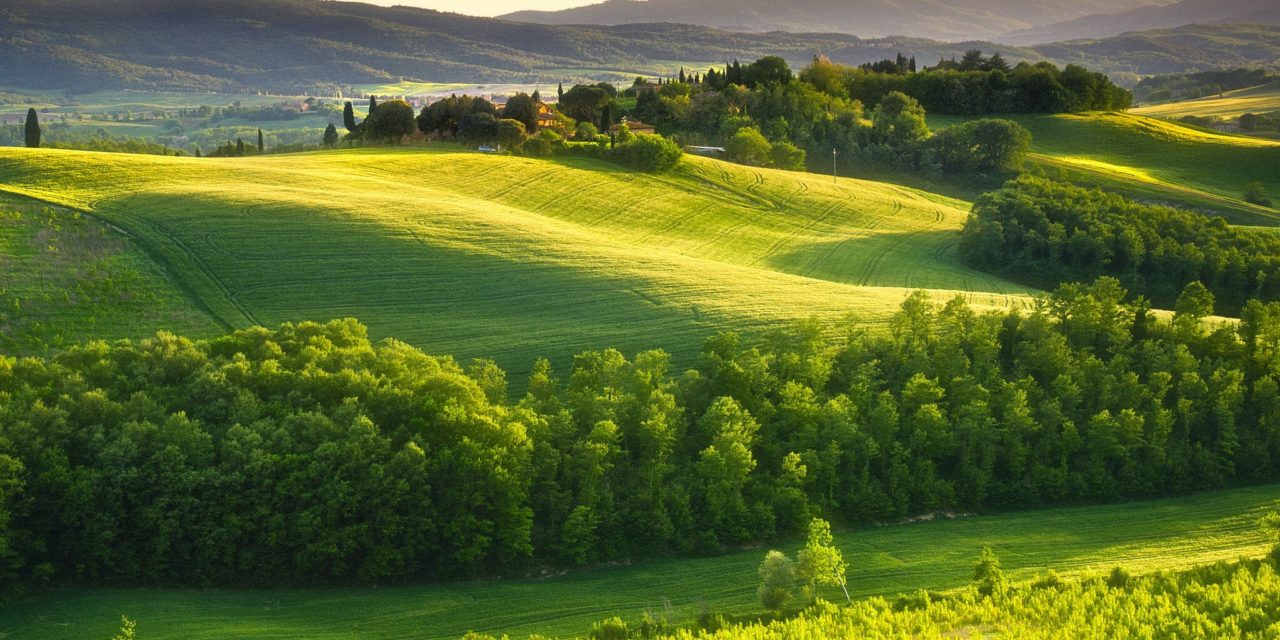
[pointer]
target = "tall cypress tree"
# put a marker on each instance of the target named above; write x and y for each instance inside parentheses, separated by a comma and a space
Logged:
(373, 104)
(198, 151)
(606, 116)
(349, 117)
(261, 147)
(560, 92)
(537, 97)
(33, 129)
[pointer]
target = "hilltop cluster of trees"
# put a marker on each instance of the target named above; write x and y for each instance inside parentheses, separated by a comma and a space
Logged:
(977, 85)
(764, 115)
(1045, 232)
(517, 126)
(306, 453)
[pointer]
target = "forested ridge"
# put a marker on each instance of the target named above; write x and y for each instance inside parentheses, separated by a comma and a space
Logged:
(307, 453)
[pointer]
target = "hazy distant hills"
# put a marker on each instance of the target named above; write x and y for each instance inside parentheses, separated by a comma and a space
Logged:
(305, 44)
(936, 19)
(1155, 17)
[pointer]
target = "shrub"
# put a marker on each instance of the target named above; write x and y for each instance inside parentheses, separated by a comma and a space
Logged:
(651, 153)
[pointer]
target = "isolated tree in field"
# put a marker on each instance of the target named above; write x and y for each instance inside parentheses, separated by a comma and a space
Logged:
(331, 136)
(127, 629)
(198, 155)
(523, 108)
(1255, 193)
(511, 133)
(749, 146)
(777, 578)
(349, 117)
(988, 575)
(820, 562)
(32, 129)
(261, 147)
(391, 122)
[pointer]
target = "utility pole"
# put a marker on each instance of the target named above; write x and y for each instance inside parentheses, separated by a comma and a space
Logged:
(834, 176)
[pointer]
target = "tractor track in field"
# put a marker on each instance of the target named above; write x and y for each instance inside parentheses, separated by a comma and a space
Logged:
(893, 245)
(808, 226)
(202, 266)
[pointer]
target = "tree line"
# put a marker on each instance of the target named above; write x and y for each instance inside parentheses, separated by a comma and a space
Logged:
(1044, 232)
(307, 453)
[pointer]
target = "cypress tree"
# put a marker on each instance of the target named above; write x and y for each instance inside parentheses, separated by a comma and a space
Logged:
(682, 76)
(373, 104)
(33, 129)
(198, 152)
(261, 147)
(560, 92)
(331, 135)
(606, 116)
(349, 117)
(537, 97)
(239, 147)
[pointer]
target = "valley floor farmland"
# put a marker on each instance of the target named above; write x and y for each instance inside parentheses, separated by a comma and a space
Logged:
(1160, 535)
(511, 258)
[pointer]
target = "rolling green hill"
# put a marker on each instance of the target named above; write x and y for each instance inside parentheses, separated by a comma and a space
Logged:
(936, 554)
(1155, 160)
(485, 256)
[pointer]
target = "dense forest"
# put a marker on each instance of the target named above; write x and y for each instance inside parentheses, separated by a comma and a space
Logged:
(306, 453)
(1044, 232)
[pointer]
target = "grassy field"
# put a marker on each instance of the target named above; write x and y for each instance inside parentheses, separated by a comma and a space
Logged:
(1260, 99)
(1155, 160)
(65, 277)
(484, 256)
(937, 554)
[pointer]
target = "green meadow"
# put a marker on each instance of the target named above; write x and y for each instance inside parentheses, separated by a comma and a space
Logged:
(927, 554)
(511, 258)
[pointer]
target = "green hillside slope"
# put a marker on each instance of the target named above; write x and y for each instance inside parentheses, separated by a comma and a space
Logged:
(67, 278)
(1165, 534)
(1155, 160)
(512, 258)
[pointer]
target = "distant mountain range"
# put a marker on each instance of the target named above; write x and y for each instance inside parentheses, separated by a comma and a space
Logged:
(305, 45)
(936, 19)
(1155, 17)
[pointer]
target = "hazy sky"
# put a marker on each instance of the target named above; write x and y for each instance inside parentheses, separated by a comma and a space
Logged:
(487, 7)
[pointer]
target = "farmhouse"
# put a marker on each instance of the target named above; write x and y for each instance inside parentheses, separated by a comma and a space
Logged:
(637, 127)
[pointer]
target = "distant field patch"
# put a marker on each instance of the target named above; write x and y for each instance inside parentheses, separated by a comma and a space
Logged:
(1260, 99)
